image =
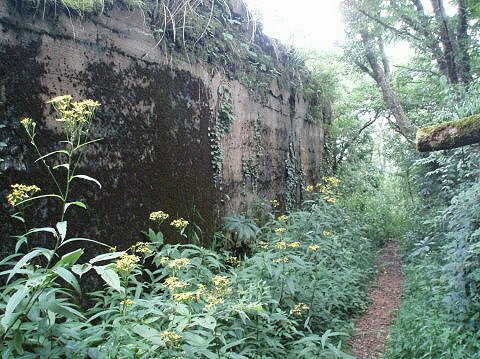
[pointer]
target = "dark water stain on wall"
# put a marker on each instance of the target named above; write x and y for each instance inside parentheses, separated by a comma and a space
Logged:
(155, 154)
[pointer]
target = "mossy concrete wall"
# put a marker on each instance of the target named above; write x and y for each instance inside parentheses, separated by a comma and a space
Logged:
(157, 120)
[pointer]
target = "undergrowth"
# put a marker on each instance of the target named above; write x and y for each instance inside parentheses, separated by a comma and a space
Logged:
(293, 296)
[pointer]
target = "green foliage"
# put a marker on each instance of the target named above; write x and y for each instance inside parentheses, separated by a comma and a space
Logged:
(292, 297)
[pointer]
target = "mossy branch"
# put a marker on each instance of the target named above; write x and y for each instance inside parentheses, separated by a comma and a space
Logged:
(453, 134)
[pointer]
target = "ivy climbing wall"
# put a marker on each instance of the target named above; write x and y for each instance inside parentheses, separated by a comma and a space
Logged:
(179, 135)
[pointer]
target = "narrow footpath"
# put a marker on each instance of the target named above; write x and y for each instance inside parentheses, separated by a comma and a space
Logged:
(373, 327)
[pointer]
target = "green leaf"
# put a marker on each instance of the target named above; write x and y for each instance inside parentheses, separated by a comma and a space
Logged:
(69, 259)
(18, 216)
(43, 229)
(148, 333)
(51, 153)
(110, 277)
(64, 310)
(27, 257)
(20, 241)
(64, 165)
(62, 229)
(208, 322)
(68, 277)
(88, 178)
(9, 316)
(106, 257)
(76, 203)
(18, 340)
(38, 197)
(82, 240)
(81, 269)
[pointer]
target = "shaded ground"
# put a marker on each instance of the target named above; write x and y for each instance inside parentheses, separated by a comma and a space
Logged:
(373, 327)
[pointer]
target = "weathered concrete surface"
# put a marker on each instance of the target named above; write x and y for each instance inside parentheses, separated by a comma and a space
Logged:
(155, 119)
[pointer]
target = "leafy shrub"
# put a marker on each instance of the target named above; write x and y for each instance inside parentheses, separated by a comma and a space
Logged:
(307, 276)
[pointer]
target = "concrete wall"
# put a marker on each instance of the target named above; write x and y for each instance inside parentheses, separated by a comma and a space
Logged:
(158, 120)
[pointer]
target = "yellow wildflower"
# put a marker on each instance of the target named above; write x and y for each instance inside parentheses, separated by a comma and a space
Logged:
(170, 338)
(314, 247)
(164, 261)
(233, 261)
(309, 188)
(327, 233)
(141, 247)
(20, 193)
(127, 262)
(126, 302)
(178, 263)
(173, 283)
(263, 244)
(283, 218)
(294, 245)
(184, 297)
(300, 309)
(281, 245)
(333, 181)
(221, 281)
(280, 230)
(275, 203)
(179, 223)
(158, 216)
(281, 260)
(213, 300)
(26, 122)
(330, 199)
(324, 189)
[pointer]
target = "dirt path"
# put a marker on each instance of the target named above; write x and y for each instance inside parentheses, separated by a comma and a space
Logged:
(373, 327)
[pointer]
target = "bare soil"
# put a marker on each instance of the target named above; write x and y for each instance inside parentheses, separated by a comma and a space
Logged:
(373, 327)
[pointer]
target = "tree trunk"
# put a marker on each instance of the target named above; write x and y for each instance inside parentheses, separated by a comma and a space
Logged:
(380, 75)
(446, 39)
(462, 43)
(448, 135)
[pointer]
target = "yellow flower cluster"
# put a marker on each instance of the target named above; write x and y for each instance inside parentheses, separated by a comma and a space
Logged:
(21, 192)
(263, 244)
(141, 247)
(283, 218)
(213, 300)
(324, 188)
(185, 297)
(330, 199)
(314, 247)
(179, 223)
(309, 188)
(178, 263)
(26, 122)
(158, 216)
(281, 260)
(280, 230)
(285, 245)
(170, 338)
(275, 203)
(74, 112)
(332, 181)
(233, 261)
(173, 283)
(221, 281)
(327, 233)
(126, 302)
(164, 261)
(300, 309)
(126, 262)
